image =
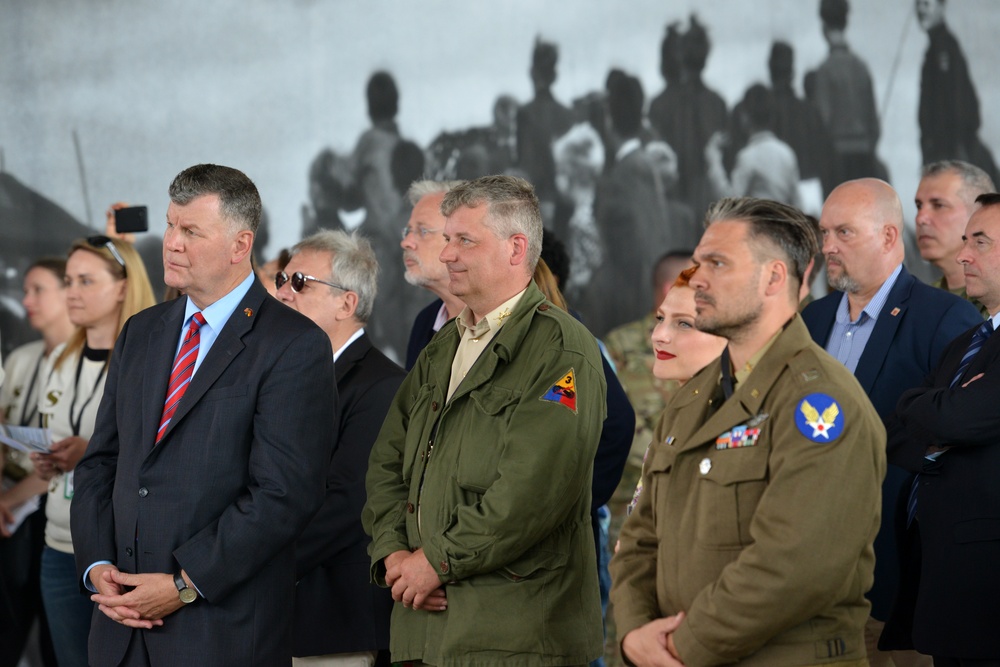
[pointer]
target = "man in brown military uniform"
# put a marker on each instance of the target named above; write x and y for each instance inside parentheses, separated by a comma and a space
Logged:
(752, 539)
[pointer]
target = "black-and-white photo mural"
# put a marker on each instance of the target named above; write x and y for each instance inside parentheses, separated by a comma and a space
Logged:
(629, 119)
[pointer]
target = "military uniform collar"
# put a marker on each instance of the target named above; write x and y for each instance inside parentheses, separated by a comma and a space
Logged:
(750, 393)
(493, 320)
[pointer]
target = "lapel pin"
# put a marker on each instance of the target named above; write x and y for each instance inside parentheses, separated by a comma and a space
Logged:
(894, 312)
(248, 312)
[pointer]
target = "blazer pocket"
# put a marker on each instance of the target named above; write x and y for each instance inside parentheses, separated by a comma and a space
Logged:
(223, 393)
(977, 530)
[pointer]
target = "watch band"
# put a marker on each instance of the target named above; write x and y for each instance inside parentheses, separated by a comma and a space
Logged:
(184, 592)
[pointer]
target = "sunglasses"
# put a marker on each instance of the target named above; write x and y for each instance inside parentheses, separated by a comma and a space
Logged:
(298, 281)
(105, 242)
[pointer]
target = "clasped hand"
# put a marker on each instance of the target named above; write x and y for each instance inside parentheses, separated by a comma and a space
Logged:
(134, 600)
(414, 582)
(652, 645)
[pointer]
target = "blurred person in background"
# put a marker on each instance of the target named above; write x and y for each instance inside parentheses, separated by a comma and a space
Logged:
(21, 550)
(106, 283)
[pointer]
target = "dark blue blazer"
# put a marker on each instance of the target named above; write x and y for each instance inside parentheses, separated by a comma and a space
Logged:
(227, 490)
(337, 608)
(915, 326)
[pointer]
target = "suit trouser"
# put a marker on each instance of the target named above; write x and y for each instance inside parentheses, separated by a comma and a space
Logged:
(877, 658)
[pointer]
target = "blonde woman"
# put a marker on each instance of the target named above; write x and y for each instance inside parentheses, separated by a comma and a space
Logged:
(106, 283)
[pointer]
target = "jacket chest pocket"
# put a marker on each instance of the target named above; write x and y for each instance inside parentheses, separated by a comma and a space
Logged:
(728, 487)
(484, 426)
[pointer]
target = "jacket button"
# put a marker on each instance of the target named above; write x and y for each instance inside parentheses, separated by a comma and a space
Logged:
(543, 307)
(128, 551)
(444, 567)
(434, 406)
(409, 507)
(143, 492)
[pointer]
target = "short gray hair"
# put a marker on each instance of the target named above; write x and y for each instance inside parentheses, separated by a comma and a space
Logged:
(353, 265)
(420, 189)
(239, 201)
(511, 208)
(975, 181)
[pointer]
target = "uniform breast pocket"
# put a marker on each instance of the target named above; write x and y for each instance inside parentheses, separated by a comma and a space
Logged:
(484, 427)
(729, 488)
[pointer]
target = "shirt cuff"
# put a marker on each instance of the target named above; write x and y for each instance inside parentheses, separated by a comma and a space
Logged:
(86, 575)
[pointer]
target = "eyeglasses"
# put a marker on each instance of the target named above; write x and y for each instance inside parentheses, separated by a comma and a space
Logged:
(298, 281)
(105, 242)
(422, 232)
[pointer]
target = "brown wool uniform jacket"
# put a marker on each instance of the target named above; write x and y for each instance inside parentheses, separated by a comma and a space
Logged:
(762, 535)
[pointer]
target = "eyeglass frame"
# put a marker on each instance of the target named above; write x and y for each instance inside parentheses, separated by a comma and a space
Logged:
(102, 241)
(421, 232)
(280, 278)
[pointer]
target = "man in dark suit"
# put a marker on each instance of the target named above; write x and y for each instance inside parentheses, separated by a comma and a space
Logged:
(889, 329)
(946, 430)
(423, 241)
(340, 617)
(187, 509)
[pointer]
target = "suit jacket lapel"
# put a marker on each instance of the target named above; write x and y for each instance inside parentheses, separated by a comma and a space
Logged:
(874, 356)
(354, 353)
(822, 315)
(161, 349)
(227, 346)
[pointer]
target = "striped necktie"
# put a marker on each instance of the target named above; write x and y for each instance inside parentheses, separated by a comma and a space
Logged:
(979, 339)
(180, 376)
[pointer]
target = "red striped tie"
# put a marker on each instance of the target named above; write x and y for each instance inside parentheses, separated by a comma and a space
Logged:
(180, 376)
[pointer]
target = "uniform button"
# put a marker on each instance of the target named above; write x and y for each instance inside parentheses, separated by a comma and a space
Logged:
(409, 507)
(143, 492)
(128, 551)
(422, 454)
(434, 406)
(705, 466)
(444, 567)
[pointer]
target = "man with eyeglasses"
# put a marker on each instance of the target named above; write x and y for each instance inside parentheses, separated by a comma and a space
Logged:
(340, 617)
(479, 482)
(209, 453)
(422, 243)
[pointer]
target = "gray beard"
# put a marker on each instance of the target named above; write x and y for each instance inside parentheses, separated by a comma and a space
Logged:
(845, 283)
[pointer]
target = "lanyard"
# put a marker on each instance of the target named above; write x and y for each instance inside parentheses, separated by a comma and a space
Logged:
(26, 416)
(75, 422)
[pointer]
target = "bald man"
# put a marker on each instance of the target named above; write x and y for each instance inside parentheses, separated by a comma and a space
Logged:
(890, 330)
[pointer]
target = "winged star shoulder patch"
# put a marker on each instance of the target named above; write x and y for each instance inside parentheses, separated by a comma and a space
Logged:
(819, 418)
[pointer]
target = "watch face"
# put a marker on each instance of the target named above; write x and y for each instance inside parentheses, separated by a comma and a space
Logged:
(188, 595)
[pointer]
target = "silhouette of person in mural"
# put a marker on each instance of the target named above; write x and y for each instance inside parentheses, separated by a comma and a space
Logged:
(949, 106)
(842, 90)
(539, 122)
(798, 122)
(688, 113)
